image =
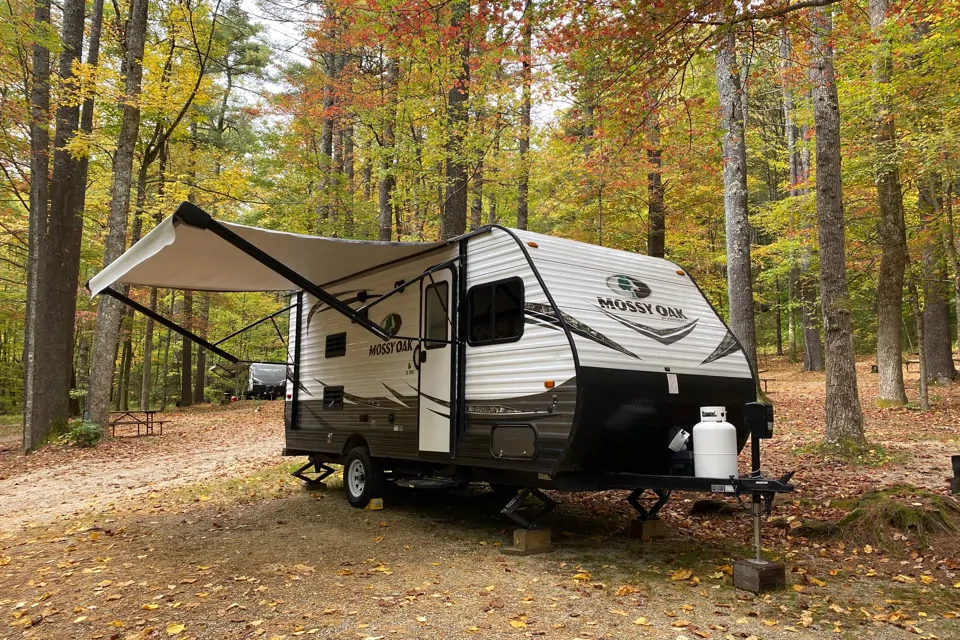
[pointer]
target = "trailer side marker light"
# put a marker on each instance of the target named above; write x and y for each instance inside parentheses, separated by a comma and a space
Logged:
(533, 244)
(549, 384)
(680, 272)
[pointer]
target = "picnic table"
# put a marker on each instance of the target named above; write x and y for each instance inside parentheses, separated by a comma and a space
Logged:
(145, 420)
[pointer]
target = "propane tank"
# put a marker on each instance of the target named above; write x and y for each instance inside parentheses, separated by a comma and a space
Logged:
(714, 445)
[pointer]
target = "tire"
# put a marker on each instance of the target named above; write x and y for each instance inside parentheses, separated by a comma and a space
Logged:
(362, 478)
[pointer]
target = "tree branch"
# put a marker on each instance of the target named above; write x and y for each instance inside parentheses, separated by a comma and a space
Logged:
(766, 14)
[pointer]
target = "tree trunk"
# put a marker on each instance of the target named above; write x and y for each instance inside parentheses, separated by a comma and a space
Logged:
(201, 380)
(147, 383)
(166, 357)
(36, 404)
(739, 271)
(936, 291)
(922, 352)
(492, 171)
(349, 163)
(656, 215)
(186, 361)
(793, 162)
(526, 80)
(844, 415)
(948, 238)
(108, 309)
(890, 228)
(453, 216)
(476, 209)
(387, 176)
(59, 255)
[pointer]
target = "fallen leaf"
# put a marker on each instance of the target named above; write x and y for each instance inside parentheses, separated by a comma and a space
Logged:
(518, 624)
(625, 590)
(680, 623)
(582, 576)
(681, 574)
(150, 606)
(175, 629)
(643, 622)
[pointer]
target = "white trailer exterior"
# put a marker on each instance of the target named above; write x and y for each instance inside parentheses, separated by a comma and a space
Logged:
(503, 355)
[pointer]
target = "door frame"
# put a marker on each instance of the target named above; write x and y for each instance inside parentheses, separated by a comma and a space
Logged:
(455, 321)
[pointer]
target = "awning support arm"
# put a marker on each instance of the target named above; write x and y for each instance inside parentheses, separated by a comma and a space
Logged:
(406, 283)
(192, 215)
(169, 324)
(251, 326)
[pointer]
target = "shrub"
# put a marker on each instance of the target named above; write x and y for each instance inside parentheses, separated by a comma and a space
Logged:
(82, 433)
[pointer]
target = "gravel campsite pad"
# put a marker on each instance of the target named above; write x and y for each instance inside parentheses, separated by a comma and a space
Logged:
(202, 533)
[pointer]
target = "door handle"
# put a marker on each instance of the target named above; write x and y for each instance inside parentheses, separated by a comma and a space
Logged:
(423, 356)
(417, 351)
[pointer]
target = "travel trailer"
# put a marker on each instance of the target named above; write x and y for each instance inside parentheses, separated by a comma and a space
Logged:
(502, 356)
(266, 381)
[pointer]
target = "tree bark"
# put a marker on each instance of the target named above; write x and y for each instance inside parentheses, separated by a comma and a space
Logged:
(200, 383)
(526, 80)
(387, 176)
(936, 291)
(453, 218)
(36, 405)
(922, 352)
(147, 383)
(793, 162)
(108, 309)
(739, 272)
(166, 357)
(186, 361)
(58, 251)
(656, 215)
(890, 228)
(476, 208)
(843, 412)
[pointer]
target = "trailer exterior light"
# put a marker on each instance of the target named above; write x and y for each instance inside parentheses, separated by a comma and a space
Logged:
(533, 244)
(549, 384)
(680, 272)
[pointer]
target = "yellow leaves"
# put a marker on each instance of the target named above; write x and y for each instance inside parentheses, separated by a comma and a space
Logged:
(681, 574)
(329, 611)
(583, 576)
(927, 579)
(956, 585)
(904, 579)
(815, 581)
(79, 619)
(5, 560)
(175, 629)
(619, 612)
(642, 622)
(150, 606)
(473, 629)
(867, 549)
(680, 624)
(625, 590)
(518, 624)
(799, 588)
(345, 572)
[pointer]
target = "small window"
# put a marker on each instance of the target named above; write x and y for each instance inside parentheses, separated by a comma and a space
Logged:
(336, 345)
(436, 317)
(333, 398)
(495, 312)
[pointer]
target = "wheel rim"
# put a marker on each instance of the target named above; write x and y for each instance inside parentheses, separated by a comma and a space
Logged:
(356, 478)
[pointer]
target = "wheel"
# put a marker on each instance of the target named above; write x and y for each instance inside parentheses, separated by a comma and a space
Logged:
(362, 478)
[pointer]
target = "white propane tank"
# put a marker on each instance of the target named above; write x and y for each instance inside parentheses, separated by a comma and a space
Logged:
(714, 445)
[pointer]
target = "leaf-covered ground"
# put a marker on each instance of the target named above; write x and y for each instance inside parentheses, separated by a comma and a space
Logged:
(201, 533)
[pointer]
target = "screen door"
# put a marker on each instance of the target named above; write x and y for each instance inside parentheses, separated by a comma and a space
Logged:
(436, 361)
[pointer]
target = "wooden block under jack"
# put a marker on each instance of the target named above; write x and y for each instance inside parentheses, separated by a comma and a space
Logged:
(647, 529)
(528, 542)
(759, 577)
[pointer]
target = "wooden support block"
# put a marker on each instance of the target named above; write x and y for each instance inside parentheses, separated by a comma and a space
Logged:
(528, 542)
(647, 529)
(759, 577)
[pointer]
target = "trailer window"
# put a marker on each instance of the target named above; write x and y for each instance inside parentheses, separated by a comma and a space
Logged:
(435, 315)
(495, 312)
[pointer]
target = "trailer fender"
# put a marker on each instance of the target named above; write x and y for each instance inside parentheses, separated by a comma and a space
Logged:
(356, 440)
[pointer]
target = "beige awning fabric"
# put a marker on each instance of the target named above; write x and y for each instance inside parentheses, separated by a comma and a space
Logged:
(176, 255)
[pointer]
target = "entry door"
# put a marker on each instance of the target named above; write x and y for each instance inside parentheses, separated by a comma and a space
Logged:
(437, 323)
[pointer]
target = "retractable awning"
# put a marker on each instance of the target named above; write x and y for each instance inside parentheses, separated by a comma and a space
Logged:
(191, 250)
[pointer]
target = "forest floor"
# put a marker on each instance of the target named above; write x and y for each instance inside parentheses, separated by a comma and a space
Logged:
(201, 533)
